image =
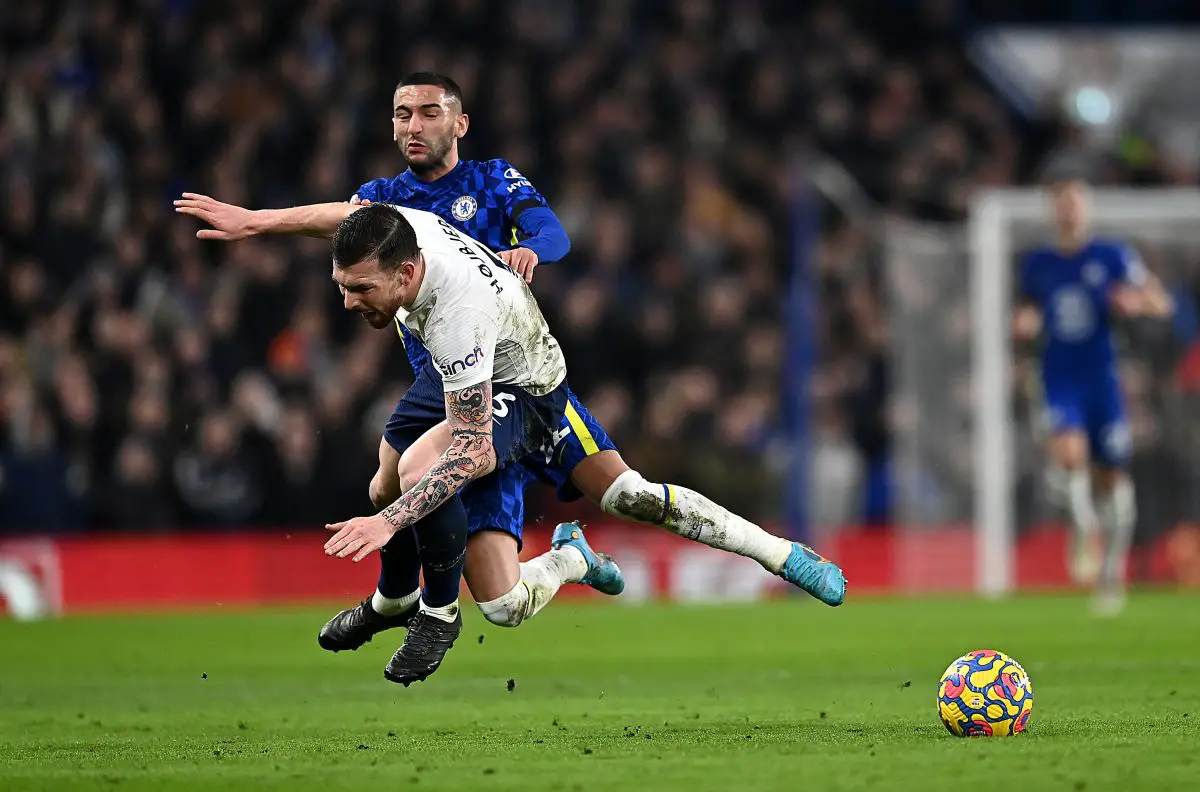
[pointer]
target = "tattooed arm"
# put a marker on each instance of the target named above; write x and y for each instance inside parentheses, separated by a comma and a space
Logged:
(471, 454)
(464, 347)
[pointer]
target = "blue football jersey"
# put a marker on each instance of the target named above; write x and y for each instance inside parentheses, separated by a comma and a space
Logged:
(483, 199)
(1072, 291)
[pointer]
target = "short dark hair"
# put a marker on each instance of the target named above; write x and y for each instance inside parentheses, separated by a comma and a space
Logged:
(375, 231)
(1065, 169)
(432, 78)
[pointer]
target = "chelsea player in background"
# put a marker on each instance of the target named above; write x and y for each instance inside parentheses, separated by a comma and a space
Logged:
(1069, 293)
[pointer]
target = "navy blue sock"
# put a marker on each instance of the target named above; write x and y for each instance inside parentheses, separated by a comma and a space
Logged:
(442, 541)
(399, 566)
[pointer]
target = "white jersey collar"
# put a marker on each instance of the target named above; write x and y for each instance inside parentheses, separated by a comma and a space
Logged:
(425, 292)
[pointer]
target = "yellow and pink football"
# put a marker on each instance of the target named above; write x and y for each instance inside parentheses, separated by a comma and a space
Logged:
(985, 693)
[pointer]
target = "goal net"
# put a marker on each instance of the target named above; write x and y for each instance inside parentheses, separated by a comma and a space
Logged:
(969, 466)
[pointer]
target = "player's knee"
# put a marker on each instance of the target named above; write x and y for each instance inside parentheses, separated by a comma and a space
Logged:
(504, 618)
(382, 490)
(503, 612)
(408, 476)
(631, 497)
(1070, 451)
(1070, 459)
(408, 480)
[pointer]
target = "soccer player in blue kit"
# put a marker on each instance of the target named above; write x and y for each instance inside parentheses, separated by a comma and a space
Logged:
(1070, 291)
(494, 203)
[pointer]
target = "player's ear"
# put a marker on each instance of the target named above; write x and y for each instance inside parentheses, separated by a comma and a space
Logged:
(461, 124)
(408, 272)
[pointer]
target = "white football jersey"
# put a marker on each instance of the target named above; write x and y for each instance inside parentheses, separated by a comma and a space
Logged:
(476, 317)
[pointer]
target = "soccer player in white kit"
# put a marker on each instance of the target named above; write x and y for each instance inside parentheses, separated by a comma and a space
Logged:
(504, 379)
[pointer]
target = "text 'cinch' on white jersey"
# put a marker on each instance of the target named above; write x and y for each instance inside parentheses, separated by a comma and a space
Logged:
(476, 317)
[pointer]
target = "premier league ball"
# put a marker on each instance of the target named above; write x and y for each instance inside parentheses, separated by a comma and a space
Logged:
(985, 693)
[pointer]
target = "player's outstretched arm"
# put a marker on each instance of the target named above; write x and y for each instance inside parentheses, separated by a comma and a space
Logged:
(471, 454)
(231, 222)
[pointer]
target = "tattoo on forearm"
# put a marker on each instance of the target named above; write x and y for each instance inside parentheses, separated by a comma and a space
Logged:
(470, 455)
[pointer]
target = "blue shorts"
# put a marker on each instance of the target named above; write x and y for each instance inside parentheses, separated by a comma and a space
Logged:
(578, 437)
(522, 426)
(1094, 406)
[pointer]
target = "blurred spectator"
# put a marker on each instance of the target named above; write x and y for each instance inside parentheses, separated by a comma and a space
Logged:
(216, 476)
(139, 496)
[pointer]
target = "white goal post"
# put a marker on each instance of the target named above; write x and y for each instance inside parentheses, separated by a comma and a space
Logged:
(992, 216)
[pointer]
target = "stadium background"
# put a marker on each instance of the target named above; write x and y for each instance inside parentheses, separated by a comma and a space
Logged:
(210, 402)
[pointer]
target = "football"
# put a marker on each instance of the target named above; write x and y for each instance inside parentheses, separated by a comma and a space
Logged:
(985, 693)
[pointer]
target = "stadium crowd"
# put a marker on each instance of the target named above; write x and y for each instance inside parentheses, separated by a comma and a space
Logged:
(149, 380)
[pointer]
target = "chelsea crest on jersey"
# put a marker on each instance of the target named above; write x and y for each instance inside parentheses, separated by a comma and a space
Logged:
(483, 199)
(464, 208)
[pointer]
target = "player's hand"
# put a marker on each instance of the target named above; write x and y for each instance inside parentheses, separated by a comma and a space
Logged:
(520, 260)
(229, 222)
(1027, 323)
(360, 536)
(1126, 301)
(356, 201)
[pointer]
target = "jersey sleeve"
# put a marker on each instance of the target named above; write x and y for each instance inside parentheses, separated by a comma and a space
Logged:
(463, 345)
(540, 229)
(371, 191)
(516, 192)
(1128, 267)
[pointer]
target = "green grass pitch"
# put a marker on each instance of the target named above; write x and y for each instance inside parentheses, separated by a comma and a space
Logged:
(781, 696)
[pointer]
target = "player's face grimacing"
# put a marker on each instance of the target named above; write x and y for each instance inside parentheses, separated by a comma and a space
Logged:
(1070, 201)
(374, 293)
(426, 125)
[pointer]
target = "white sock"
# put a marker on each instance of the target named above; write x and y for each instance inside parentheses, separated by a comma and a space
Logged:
(544, 574)
(1080, 506)
(540, 580)
(1118, 517)
(1058, 487)
(692, 516)
(446, 613)
(390, 606)
(566, 565)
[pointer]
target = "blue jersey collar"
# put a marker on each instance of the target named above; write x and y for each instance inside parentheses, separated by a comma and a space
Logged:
(413, 183)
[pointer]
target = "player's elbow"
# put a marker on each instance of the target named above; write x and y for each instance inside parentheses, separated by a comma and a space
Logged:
(547, 236)
(477, 452)
(487, 461)
(561, 246)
